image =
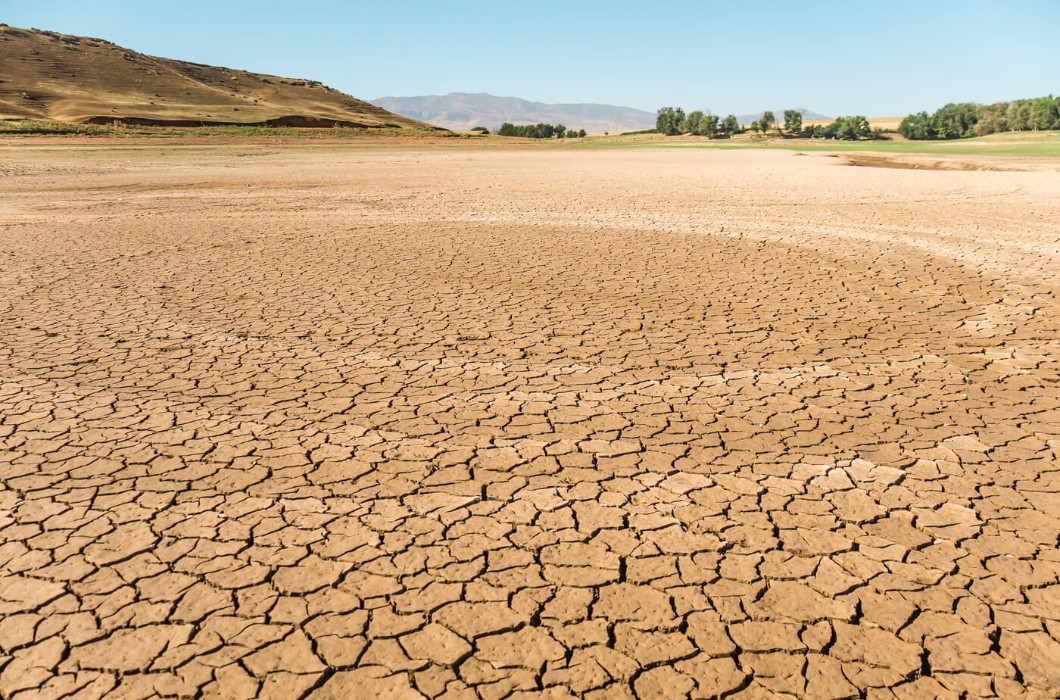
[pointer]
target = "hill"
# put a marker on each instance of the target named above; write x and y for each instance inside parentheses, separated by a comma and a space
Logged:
(463, 111)
(778, 114)
(57, 77)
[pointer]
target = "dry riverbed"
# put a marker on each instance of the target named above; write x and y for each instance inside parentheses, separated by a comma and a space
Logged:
(284, 420)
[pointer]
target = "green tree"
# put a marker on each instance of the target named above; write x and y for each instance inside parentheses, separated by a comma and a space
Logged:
(848, 129)
(535, 131)
(955, 120)
(766, 121)
(710, 125)
(1023, 116)
(964, 119)
(667, 122)
(679, 119)
(694, 122)
(1043, 115)
(792, 121)
(917, 126)
(730, 125)
(662, 119)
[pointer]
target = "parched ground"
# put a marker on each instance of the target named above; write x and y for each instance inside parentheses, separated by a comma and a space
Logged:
(364, 422)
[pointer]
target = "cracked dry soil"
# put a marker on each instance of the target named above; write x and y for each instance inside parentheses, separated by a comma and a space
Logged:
(302, 421)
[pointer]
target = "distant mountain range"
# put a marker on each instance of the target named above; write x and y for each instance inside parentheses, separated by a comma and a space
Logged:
(464, 110)
(778, 114)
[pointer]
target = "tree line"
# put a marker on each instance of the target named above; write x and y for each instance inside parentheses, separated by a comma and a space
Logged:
(540, 131)
(856, 128)
(966, 119)
(673, 121)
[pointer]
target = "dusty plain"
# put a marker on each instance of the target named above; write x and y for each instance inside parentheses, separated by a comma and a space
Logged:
(359, 421)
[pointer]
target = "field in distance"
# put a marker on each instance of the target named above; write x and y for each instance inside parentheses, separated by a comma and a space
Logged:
(1026, 143)
(885, 123)
(1011, 144)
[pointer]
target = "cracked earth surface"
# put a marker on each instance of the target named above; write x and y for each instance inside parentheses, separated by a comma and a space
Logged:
(355, 422)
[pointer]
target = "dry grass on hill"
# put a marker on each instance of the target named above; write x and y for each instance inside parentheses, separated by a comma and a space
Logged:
(57, 77)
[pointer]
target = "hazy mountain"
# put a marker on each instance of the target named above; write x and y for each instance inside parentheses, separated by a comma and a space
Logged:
(778, 114)
(58, 77)
(463, 111)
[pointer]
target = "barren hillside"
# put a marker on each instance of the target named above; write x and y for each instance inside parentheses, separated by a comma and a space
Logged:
(57, 77)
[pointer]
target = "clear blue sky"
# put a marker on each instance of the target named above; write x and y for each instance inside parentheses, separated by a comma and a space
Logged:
(872, 58)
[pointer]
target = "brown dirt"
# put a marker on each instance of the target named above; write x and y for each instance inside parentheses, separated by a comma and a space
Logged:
(876, 122)
(362, 421)
(906, 162)
(58, 77)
